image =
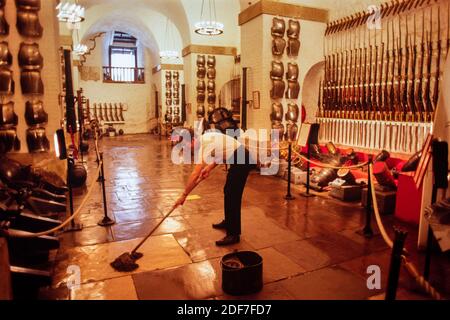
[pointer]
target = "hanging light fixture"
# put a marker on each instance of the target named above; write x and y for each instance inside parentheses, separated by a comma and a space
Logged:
(80, 49)
(70, 12)
(210, 27)
(168, 51)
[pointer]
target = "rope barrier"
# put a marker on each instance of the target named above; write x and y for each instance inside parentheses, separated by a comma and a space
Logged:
(23, 234)
(384, 234)
(409, 266)
(420, 280)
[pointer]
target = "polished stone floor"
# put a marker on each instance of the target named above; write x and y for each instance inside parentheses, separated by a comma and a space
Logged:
(310, 246)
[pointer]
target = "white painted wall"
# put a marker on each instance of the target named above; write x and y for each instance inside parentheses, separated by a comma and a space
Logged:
(138, 97)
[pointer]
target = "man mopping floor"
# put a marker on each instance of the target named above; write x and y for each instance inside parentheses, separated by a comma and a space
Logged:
(217, 147)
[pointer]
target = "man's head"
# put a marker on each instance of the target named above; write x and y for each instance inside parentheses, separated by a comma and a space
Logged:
(222, 119)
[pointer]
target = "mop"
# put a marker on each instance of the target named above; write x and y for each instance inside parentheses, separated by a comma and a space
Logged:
(127, 261)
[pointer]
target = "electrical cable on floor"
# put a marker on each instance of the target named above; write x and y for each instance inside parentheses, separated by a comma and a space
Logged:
(23, 234)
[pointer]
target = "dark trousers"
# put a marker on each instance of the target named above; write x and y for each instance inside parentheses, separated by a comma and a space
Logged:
(233, 190)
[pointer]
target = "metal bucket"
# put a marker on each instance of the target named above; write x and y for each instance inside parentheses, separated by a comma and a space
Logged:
(242, 273)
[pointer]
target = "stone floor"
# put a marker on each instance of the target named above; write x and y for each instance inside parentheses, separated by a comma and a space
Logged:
(310, 246)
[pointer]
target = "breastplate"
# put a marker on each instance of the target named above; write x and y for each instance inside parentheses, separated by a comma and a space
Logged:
(4, 26)
(293, 90)
(278, 88)
(211, 86)
(293, 113)
(28, 24)
(35, 113)
(7, 86)
(278, 46)
(201, 86)
(278, 27)
(292, 73)
(211, 61)
(294, 29)
(293, 48)
(277, 112)
(37, 140)
(277, 72)
(5, 55)
(29, 57)
(8, 118)
(9, 141)
(211, 73)
(201, 72)
(201, 61)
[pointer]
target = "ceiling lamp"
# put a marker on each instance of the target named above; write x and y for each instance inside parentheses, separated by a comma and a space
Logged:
(168, 51)
(70, 12)
(209, 26)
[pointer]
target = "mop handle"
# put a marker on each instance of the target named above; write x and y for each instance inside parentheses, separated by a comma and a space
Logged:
(200, 179)
(153, 230)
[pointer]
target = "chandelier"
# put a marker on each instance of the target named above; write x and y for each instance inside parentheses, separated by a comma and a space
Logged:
(70, 12)
(209, 26)
(168, 51)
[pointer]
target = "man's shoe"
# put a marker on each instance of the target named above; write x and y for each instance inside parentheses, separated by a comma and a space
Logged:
(228, 241)
(220, 226)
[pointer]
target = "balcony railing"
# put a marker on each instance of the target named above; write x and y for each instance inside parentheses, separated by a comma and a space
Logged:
(123, 75)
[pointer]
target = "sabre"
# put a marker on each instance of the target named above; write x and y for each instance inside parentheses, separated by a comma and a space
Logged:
(438, 61)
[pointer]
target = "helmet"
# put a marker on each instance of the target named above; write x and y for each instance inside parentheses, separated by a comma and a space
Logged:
(222, 120)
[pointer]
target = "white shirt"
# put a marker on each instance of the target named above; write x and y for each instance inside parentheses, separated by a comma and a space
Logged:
(216, 147)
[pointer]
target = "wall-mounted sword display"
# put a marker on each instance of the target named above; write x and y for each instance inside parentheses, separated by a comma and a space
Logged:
(391, 75)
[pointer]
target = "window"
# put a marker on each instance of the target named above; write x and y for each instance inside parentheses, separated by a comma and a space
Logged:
(123, 61)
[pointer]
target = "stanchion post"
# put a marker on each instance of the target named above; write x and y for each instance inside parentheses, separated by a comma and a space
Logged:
(367, 231)
(106, 221)
(308, 194)
(74, 226)
(289, 196)
(396, 263)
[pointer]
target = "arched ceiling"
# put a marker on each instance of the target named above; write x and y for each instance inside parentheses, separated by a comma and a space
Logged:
(146, 19)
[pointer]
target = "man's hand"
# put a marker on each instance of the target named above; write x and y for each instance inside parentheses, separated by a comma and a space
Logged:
(181, 200)
(204, 174)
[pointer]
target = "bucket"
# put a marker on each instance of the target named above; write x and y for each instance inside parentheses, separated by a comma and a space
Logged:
(242, 273)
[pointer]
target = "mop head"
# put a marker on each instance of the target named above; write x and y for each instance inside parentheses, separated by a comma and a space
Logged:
(126, 262)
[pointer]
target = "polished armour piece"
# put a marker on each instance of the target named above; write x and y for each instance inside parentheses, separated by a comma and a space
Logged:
(168, 102)
(9, 141)
(278, 27)
(293, 31)
(278, 88)
(169, 94)
(277, 72)
(201, 61)
(30, 57)
(35, 113)
(293, 90)
(211, 86)
(28, 24)
(201, 86)
(277, 125)
(291, 132)
(33, 5)
(8, 118)
(211, 73)
(200, 111)
(211, 98)
(293, 47)
(31, 82)
(168, 75)
(37, 140)
(176, 75)
(176, 101)
(201, 96)
(293, 112)
(5, 55)
(4, 26)
(7, 86)
(176, 95)
(201, 72)
(292, 72)
(168, 85)
(277, 112)
(211, 61)
(278, 46)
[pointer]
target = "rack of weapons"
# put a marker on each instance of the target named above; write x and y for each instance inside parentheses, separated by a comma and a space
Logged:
(107, 113)
(381, 84)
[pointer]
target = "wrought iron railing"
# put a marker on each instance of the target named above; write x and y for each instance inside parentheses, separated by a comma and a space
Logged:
(123, 75)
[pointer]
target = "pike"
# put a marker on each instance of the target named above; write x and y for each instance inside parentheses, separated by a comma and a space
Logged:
(369, 81)
(405, 72)
(393, 106)
(438, 62)
(419, 82)
(427, 96)
(448, 28)
(387, 100)
(380, 102)
(411, 91)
